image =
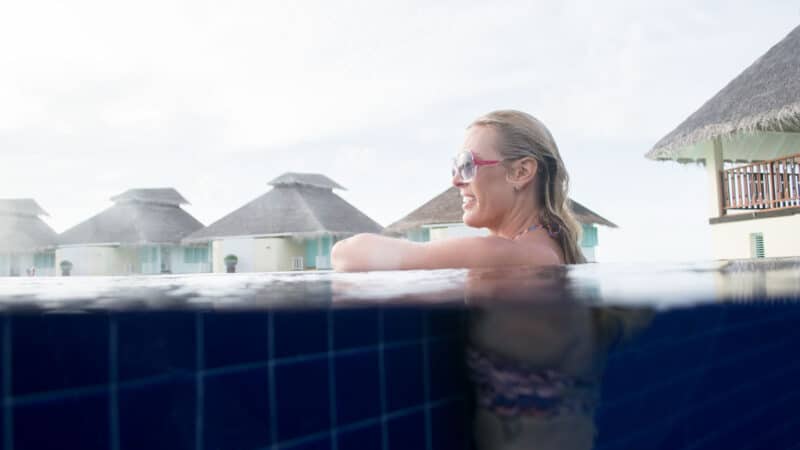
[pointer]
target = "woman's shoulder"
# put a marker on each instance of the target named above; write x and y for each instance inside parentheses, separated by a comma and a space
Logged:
(498, 251)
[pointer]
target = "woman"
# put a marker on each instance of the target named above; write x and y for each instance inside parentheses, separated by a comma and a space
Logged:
(536, 355)
(513, 183)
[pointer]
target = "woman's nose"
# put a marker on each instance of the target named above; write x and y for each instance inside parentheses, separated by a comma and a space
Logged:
(456, 180)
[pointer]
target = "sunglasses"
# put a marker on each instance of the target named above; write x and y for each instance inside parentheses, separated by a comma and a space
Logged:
(466, 164)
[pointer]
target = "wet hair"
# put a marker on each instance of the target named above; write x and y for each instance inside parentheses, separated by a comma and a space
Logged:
(523, 135)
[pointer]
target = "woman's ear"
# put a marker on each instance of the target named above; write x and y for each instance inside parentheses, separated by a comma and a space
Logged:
(523, 171)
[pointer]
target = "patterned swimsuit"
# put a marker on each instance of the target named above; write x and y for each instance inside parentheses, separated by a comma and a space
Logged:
(509, 389)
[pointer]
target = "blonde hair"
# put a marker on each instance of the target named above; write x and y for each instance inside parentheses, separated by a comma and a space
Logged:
(523, 136)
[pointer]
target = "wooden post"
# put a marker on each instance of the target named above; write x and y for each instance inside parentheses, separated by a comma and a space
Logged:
(716, 203)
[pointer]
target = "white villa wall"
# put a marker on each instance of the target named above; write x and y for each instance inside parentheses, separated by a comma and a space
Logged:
(731, 240)
(115, 260)
(243, 248)
(455, 230)
(275, 254)
(266, 254)
(91, 260)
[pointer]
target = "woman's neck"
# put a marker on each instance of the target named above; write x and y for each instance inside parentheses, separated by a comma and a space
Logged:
(516, 222)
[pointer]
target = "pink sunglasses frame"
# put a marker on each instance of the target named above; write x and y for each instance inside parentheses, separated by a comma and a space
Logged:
(477, 162)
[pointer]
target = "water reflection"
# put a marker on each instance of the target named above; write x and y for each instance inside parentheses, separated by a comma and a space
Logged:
(536, 356)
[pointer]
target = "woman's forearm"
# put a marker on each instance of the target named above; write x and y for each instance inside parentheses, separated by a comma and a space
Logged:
(364, 252)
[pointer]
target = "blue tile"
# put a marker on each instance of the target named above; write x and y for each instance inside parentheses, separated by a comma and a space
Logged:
(404, 377)
(300, 332)
(155, 343)
(407, 432)
(355, 328)
(236, 410)
(158, 415)
(446, 322)
(64, 422)
(302, 398)
(448, 370)
(73, 346)
(358, 390)
(235, 338)
(402, 324)
(367, 438)
(323, 443)
(450, 426)
(3, 368)
(783, 437)
(738, 432)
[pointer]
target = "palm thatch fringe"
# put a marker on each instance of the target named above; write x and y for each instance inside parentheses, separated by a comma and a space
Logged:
(785, 119)
(765, 97)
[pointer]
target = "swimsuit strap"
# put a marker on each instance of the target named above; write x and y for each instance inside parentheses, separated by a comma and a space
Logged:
(550, 232)
(531, 228)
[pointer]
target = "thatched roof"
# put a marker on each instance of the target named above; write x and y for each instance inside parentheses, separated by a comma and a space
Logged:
(21, 229)
(304, 207)
(161, 196)
(446, 208)
(763, 98)
(21, 206)
(305, 179)
(138, 217)
(586, 216)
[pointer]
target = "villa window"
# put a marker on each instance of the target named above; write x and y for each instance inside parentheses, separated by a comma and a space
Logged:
(44, 260)
(757, 245)
(148, 254)
(195, 255)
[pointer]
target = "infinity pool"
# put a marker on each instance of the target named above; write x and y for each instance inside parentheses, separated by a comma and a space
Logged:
(684, 356)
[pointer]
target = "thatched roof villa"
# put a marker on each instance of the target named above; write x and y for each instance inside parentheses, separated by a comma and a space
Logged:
(26, 241)
(748, 138)
(291, 227)
(440, 217)
(140, 233)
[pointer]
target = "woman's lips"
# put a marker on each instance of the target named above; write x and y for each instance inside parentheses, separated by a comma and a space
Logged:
(467, 202)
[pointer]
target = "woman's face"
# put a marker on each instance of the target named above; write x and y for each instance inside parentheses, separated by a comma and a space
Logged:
(488, 196)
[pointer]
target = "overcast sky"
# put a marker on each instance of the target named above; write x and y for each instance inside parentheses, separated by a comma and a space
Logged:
(216, 99)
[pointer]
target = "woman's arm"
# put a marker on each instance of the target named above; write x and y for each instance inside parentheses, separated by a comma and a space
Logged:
(366, 252)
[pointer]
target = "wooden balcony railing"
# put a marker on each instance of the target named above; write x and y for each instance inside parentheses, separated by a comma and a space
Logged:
(765, 185)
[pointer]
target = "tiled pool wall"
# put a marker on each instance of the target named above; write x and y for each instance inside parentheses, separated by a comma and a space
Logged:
(711, 376)
(304, 379)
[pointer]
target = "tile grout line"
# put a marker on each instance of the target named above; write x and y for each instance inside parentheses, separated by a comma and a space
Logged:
(642, 431)
(426, 381)
(8, 417)
(332, 383)
(382, 379)
(273, 402)
(113, 377)
(752, 413)
(199, 380)
(773, 432)
(295, 442)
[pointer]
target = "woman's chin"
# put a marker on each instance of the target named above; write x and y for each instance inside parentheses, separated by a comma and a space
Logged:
(469, 219)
